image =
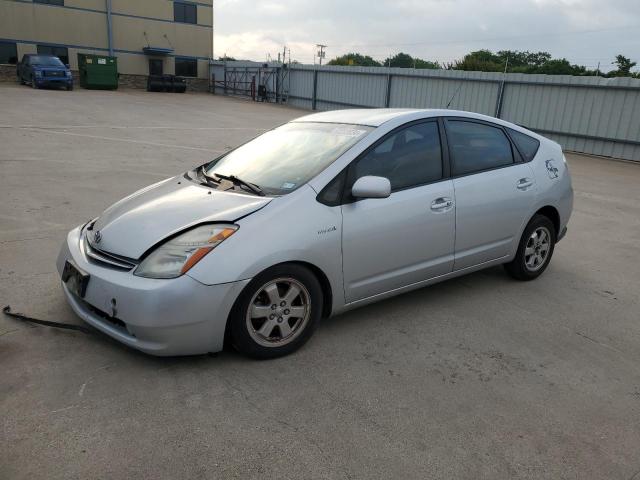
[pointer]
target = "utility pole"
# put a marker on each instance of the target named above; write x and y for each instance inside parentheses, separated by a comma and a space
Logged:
(321, 52)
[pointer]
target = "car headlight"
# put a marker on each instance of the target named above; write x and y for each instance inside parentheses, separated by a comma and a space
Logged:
(38, 73)
(67, 73)
(178, 255)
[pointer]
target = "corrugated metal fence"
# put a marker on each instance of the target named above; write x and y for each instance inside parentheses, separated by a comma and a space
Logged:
(584, 114)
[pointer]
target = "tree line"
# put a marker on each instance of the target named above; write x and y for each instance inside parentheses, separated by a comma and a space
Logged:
(511, 61)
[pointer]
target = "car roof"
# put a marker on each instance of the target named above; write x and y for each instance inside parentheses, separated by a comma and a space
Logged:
(375, 117)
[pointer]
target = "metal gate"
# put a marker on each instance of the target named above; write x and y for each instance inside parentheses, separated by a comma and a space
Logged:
(260, 82)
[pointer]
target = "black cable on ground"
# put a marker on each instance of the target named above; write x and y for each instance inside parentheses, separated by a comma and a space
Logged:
(67, 326)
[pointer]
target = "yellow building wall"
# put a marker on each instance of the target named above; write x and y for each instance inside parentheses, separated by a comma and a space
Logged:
(81, 30)
(48, 24)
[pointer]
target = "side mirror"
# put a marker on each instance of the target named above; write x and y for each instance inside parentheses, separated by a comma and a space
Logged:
(371, 187)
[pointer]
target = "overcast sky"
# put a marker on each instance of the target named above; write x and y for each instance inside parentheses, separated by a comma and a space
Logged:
(584, 31)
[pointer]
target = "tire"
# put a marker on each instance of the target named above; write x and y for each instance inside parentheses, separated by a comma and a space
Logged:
(532, 258)
(290, 316)
(69, 88)
(34, 85)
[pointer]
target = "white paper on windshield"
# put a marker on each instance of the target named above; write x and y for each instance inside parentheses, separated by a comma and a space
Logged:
(347, 131)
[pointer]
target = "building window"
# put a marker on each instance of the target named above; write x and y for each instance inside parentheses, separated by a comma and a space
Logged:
(185, 12)
(61, 52)
(186, 67)
(50, 2)
(8, 53)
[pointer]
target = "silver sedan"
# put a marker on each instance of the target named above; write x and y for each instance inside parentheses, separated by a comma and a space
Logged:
(323, 214)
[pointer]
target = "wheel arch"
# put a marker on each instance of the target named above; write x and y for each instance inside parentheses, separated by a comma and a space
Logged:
(327, 291)
(552, 214)
(325, 284)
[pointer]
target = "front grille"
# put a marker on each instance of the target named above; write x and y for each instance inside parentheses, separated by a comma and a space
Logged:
(53, 73)
(105, 258)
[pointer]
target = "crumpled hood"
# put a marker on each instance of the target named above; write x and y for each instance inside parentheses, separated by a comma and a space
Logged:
(137, 222)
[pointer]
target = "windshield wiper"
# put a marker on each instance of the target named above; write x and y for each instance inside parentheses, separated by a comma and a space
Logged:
(238, 181)
(202, 171)
(216, 177)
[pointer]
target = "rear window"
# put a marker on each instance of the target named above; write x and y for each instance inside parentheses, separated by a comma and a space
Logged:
(527, 146)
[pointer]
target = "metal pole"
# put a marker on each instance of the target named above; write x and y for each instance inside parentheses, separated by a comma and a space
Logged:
(387, 100)
(315, 89)
(109, 28)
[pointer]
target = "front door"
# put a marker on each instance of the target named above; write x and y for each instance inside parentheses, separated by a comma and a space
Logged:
(408, 237)
(494, 192)
(155, 66)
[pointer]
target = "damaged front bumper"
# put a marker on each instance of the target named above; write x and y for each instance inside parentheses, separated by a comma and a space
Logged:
(179, 316)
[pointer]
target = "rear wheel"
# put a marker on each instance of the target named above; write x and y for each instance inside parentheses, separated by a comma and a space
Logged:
(534, 251)
(277, 312)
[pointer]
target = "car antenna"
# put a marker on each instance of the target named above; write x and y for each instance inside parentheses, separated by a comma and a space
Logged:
(454, 95)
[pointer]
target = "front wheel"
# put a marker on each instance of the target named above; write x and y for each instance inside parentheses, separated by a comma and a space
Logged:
(277, 312)
(534, 251)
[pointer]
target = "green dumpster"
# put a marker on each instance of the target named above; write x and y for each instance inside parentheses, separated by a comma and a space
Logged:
(98, 71)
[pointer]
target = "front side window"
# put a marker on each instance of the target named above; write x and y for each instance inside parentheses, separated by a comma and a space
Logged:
(409, 157)
(475, 147)
(185, 12)
(8, 53)
(61, 52)
(287, 157)
(186, 67)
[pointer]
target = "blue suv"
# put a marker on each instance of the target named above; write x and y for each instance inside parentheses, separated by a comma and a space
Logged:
(44, 71)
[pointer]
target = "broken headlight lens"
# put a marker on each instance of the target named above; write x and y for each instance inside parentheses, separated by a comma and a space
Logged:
(178, 255)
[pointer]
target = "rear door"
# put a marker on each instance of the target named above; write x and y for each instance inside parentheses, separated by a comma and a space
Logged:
(388, 243)
(494, 191)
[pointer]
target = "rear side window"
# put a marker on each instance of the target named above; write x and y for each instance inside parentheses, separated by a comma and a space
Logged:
(409, 157)
(527, 146)
(476, 147)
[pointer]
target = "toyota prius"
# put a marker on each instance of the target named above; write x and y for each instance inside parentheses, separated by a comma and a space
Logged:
(326, 213)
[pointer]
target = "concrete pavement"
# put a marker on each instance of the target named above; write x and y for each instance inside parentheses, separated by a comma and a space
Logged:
(477, 377)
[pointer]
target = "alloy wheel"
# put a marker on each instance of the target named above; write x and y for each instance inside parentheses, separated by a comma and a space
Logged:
(537, 249)
(278, 312)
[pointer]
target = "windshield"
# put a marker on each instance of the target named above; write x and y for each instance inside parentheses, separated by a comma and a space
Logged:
(46, 61)
(287, 157)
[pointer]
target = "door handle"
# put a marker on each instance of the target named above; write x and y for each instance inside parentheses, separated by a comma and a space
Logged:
(524, 183)
(441, 203)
